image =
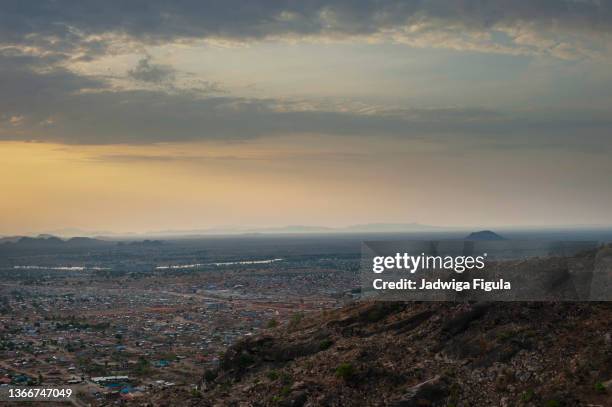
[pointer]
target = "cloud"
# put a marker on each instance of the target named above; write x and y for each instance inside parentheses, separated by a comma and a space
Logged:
(261, 157)
(59, 105)
(43, 99)
(168, 158)
(83, 29)
(148, 72)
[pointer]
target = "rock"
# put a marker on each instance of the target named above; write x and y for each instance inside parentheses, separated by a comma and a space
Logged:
(461, 322)
(429, 393)
(295, 399)
(405, 325)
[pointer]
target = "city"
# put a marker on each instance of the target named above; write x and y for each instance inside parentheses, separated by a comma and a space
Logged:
(119, 334)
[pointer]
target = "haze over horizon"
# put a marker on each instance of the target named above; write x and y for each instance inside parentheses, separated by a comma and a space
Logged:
(124, 118)
(367, 228)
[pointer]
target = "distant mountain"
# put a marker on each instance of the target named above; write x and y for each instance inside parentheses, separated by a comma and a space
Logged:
(297, 229)
(46, 236)
(54, 242)
(9, 239)
(231, 230)
(43, 241)
(484, 235)
(235, 230)
(70, 232)
(51, 242)
(388, 227)
(361, 228)
(293, 229)
(86, 241)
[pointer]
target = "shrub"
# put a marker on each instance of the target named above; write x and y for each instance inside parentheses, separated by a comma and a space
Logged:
(272, 375)
(600, 388)
(527, 396)
(245, 360)
(210, 375)
(345, 371)
(296, 318)
(143, 367)
(273, 323)
(286, 378)
(325, 344)
(505, 335)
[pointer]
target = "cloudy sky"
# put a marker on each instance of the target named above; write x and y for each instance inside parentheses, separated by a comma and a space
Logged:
(152, 115)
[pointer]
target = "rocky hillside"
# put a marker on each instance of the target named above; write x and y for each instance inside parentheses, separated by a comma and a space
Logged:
(421, 354)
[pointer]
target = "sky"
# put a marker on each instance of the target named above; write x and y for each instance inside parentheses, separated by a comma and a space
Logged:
(152, 115)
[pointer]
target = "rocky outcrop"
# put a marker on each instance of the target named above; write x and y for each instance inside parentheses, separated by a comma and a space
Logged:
(484, 235)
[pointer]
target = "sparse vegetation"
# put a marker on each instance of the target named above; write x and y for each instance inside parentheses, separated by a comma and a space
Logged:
(210, 375)
(296, 319)
(345, 371)
(325, 344)
(505, 335)
(143, 367)
(286, 378)
(527, 396)
(245, 360)
(600, 388)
